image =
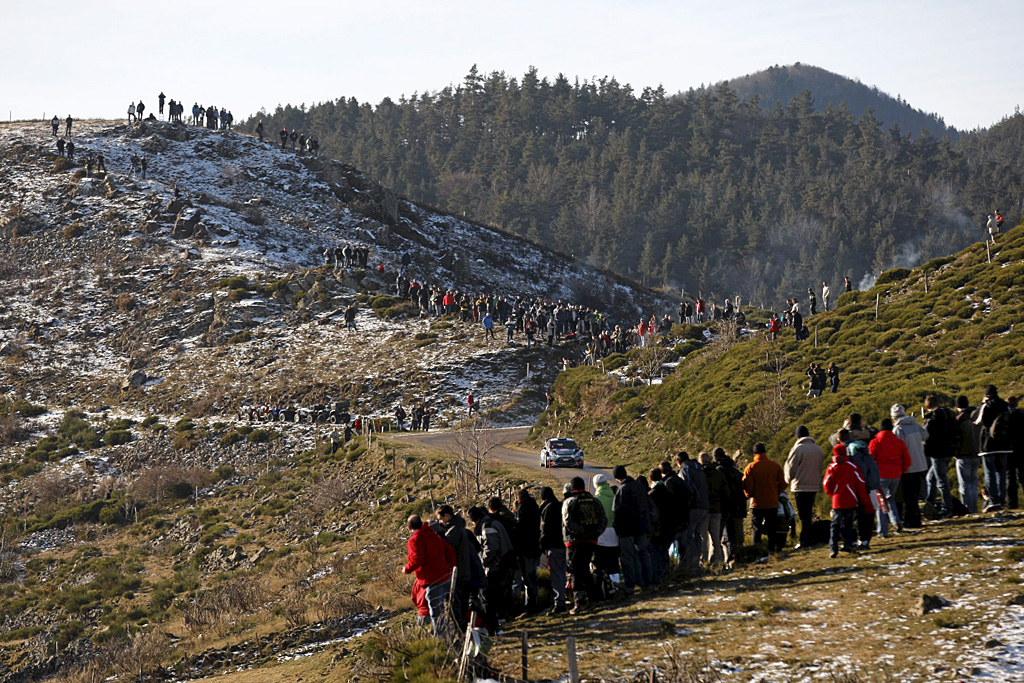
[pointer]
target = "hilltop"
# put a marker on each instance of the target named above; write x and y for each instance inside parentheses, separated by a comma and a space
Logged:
(780, 84)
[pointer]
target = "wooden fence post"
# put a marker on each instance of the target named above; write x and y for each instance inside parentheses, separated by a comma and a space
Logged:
(878, 297)
(574, 674)
(464, 658)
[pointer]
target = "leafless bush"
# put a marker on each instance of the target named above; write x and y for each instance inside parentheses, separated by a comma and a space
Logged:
(124, 303)
(725, 335)
(142, 653)
(7, 571)
(685, 667)
(220, 605)
(153, 482)
(472, 449)
(93, 671)
(11, 431)
(329, 494)
(334, 602)
(649, 361)
(765, 417)
(293, 602)
(52, 487)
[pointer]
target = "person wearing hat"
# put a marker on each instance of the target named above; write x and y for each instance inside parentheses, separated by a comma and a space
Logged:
(632, 510)
(553, 545)
(803, 471)
(914, 436)
(606, 556)
(845, 485)
(583, 521)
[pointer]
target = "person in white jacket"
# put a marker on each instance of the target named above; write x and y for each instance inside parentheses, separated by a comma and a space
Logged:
(803, 470)
(914, 435)
(826, 293)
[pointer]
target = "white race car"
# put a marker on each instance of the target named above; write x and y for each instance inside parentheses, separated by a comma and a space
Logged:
(561, 452)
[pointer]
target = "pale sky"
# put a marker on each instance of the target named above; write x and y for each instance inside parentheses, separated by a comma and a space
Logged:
(961, 60)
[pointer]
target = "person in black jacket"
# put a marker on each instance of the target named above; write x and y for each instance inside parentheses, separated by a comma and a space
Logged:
(495, 552)
(943, 437)
(664, 526)
(1015, 461)
(528, 544)
(716, 493)
(734, 505)
(452, 528)
(680, 503)
(583, 521)
(633, 526)
(552, 545)
(996, 445)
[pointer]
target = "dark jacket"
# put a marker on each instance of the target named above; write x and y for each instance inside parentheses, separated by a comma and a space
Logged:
(495, 545)
(550, 521)
(583, 518)
(680, 500)
(986, 415)
(664, 528)
(734, 503)
(693, 473)
(632, 509)
(716, 488)
(943, 434)
(970, 434)
(455, 533)
(527, 527)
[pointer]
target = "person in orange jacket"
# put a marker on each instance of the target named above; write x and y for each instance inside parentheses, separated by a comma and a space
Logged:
(763, 481)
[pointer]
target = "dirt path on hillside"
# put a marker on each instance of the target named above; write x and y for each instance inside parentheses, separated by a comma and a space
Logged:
(506, 447)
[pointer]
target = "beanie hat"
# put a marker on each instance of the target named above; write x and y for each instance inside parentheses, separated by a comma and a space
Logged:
(897, 411)
(802, 432)
(619, 472)
(839, 450)
(599, 479)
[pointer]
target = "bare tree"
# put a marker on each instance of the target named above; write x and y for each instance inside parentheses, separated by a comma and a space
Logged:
(472, 448)
(649, 361)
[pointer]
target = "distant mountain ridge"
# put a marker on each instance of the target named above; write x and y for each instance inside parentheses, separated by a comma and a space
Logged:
(783, 83)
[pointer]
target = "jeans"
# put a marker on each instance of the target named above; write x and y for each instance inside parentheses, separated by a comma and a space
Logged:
(805, 511)
(888, 489)
(659, 561)
(437, 598)
(967, 477)
(528, 567)
(556, 565)
(696, 538)
(842, 523)
(766, 521)
(636, 561)
(938, 485)
(866, 520)
(582, 580)
(733, 536)
(715, 554)
(994, 465)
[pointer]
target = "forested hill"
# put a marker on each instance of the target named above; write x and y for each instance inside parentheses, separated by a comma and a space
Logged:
(701, 190)
(783, 83)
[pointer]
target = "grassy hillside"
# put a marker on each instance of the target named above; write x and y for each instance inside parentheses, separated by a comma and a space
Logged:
(956, 338)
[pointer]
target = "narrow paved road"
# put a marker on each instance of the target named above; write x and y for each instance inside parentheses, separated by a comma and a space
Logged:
(506, 447)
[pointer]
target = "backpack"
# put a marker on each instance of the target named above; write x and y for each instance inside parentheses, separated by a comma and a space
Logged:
(1000, 429)
(589, 516)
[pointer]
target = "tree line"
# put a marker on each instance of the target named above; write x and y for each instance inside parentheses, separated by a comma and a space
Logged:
(699, 190)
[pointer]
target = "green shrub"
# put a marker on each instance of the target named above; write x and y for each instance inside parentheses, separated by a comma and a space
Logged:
(184, 425)
(262, 435)
(893, 275)
(118, 437)
(237, 282)
(74, 429)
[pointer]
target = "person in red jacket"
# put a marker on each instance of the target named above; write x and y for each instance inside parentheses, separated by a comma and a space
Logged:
(431, 559)
(844, 483)
(893, 459)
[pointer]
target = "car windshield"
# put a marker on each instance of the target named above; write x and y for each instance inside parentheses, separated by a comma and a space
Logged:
(563, 444)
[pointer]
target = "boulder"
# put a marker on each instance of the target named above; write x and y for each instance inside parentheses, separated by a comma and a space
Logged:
(201, 233)
(191, 255)
(134, 381)
(175, 206)
(930, 603)
(186, 222)
(90, 187)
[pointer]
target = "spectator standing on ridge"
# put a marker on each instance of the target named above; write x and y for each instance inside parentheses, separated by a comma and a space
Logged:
(131, 113)
(912, 434)
(849, 285)
(1015, 461)
(833, 377)
(826, 293)
(139, 109)
(471, 403)
(845, 485)
(812, 300)
(55, 123)
(284, 137)
(993, 228)
(71, 150)
(583, 521)
(996, 446)
(663, 529)
(143, 164)
(431, 559)
(60, 147)
(803, 471)
(763, 481)
(734, 505)
(632, 510)
(67, 125)
(160, 102)
(259, 130)
(717, 493)
(527, 544)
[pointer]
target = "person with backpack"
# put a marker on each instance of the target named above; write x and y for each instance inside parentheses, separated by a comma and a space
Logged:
(633, 526)
(996, 446)
(858, 451)
(583, 521)
(845, 486)
(715, 554)
(763, 481)
(527, 544)
(803, 472)
(495, 547)
(606, 555)
(55, 123)
(943, 441)
(552, 545)
(734, 505)
(431, 559)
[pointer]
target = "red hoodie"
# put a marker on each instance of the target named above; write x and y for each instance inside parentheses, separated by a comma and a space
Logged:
(843, 482)
(430, 556)
(890, 454)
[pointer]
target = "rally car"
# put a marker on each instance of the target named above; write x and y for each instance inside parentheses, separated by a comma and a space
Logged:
(561, 452)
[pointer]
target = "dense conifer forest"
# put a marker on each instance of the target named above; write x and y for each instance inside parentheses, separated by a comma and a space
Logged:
(701, 190)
